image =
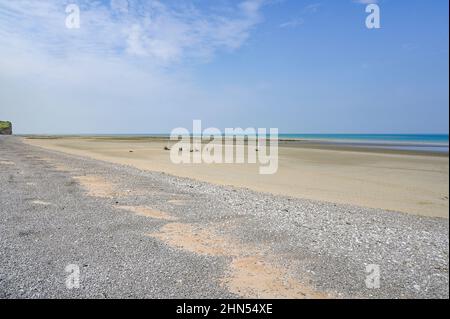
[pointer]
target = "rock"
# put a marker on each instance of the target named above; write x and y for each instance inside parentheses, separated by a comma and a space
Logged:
(5, 128)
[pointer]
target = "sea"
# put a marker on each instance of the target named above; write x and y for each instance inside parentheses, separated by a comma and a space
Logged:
(415, 142)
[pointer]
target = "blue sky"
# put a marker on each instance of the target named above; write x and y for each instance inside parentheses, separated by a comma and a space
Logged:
(151, 66)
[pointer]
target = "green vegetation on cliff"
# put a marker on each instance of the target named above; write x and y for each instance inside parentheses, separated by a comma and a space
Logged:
(5, 128)
(5, 125)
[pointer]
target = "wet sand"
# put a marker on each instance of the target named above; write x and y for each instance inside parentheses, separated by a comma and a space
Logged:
(402, 181)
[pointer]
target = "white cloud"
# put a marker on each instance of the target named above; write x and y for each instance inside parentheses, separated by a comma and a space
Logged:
(152, 29)
(312, 8)
(300, 20)
(292, 23)
(120, 6)
(127, 62)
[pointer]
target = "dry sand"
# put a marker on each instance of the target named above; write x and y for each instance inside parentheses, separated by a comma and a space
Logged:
(410, 183)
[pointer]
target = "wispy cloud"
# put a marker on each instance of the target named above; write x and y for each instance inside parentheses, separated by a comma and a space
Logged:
(293, 23)
(312, 8)
(151, 29)
(300, 19)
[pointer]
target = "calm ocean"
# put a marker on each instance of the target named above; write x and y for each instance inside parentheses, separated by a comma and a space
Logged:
(424, 142)
(414, 138)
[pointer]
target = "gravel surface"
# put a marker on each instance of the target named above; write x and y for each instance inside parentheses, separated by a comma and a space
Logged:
(49, 220)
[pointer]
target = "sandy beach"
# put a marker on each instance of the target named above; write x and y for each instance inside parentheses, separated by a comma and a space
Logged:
(136, 233)
(398, 181)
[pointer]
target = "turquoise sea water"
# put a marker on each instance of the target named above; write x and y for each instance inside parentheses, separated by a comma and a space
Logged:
(417, 142)
(402, 138)
(391, 138)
